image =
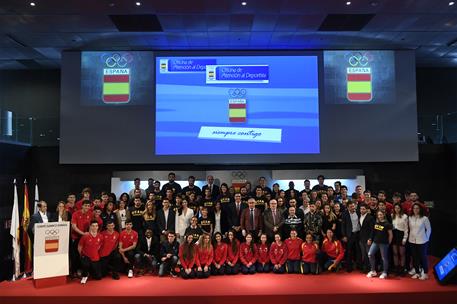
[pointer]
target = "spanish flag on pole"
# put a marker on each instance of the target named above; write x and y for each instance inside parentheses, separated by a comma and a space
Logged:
(25, 237)
(15, 234)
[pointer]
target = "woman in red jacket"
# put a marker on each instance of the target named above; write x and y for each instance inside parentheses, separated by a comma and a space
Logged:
(233, 253)
(332, 252)
(187, 256)
(309, 250)
(204, 256)
(293, 252)
(248, 255)
(263, 255)
(220, 255)
(278, 255)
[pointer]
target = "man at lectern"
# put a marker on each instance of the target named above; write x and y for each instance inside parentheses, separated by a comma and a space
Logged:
(42, 216)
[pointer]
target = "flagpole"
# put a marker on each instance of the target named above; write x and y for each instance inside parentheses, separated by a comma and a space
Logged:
(37, 199)
(26, 239)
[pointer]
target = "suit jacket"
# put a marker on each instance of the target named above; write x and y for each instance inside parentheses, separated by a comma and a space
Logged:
(170, 223)
(233, 219)
(269, 223)
(36, 219)
(142, 246)
(246, 223)
(214, 192)
(367, 228)
(118, 219)
(346, 226)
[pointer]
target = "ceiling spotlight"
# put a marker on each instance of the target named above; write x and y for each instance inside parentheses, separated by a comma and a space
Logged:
(138, 3)
(451, 3)
(32, 3)
(348, 3)
(244, 3)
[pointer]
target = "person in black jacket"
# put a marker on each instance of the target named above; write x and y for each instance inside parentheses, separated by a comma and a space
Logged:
(166, 219)
(350, 230)
(367, 222)
(169, 255)
(146, 253)
(234, 211)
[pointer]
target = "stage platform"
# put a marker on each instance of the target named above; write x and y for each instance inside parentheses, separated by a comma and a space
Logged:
(339, 288)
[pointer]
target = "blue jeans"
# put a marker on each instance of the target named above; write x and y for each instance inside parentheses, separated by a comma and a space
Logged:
(384, 248)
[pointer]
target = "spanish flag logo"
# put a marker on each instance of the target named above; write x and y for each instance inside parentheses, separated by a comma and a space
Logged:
(237, 110)
(359, 84)
(116, 79)
(51, 245)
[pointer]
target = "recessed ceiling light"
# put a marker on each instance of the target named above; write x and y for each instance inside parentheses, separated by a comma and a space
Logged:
(348, 3)
(244, 3)
(138, 3)
(451, 3)
(32, 3)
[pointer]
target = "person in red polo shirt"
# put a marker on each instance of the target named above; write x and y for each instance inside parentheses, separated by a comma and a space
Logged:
(309, 251)
(80, 222)
(332, 252)
(248, 255)
(109, 255)
(88, 248)
(263, 255)
(220, 255)
(205, 256)
(293, 252)
(188, 256)
(278, 255)
(233, 253)
(86, 197)
(127, 244)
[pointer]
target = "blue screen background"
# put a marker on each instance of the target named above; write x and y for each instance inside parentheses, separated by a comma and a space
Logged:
(290, 102)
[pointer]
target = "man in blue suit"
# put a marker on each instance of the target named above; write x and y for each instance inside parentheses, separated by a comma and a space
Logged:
(42, 216)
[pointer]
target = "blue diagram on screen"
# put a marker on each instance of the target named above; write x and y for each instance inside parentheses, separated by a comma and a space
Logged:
(237, 105)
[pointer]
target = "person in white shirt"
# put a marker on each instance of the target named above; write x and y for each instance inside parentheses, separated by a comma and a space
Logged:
(419, 235)
(42, 216)
(183, 217)
(61, 214)
(400, 223)
(137, 183)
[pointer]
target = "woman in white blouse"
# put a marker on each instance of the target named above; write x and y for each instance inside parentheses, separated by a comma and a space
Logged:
(419, 235)
(400, 223)
(217, 217)
(183, 217)
(61, 213)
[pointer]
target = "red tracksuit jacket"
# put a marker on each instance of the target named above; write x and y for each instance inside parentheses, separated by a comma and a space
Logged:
(220, 254)
(278, 254)
(233, 257)
(246, 254)
(204, 256)
(333, 249)
(263, 254)
(293, 248)
(309, 252)
(187, 263)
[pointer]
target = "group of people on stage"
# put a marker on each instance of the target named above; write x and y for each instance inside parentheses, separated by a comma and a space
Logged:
(216, 230)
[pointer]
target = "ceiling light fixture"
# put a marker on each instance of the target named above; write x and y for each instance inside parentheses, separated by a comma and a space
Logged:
(32, 3)
(348, 3)
(244, 3)
(451, 3)
(138, 3)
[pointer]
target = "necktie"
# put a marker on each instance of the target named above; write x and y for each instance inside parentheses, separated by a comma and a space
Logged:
(274, 217)
(252, 219)
(238, 209)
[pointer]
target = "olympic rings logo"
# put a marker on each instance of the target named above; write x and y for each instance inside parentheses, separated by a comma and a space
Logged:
(237, 93)
(239, 174)
(358, 59)
(118, 60)
(51, 232)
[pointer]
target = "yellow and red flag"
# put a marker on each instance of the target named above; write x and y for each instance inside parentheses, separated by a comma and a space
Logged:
(25, 237)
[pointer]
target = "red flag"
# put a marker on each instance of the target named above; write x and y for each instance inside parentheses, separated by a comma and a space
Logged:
(26, 239)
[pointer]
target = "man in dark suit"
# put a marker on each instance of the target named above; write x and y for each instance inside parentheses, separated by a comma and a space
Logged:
(165, 220)
(147, 252)
(42, 216)
(251, 220)
(350, 230)
(273, 220)
(234, 211)
(214, 189)
(367, 222)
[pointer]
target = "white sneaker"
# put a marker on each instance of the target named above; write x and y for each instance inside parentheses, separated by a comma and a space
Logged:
(412, 272)
(130, 275)
(84, 280)
(371, 274)
(383, 276)
(423, 277)
(415, 276)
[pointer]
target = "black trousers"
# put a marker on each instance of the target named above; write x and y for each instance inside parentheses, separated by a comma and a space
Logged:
(91, 267)
(111, 263)
(352, 251)
(130, 255)
(75, 259)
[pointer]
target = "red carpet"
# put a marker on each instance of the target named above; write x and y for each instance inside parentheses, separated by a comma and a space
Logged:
(351, 288)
